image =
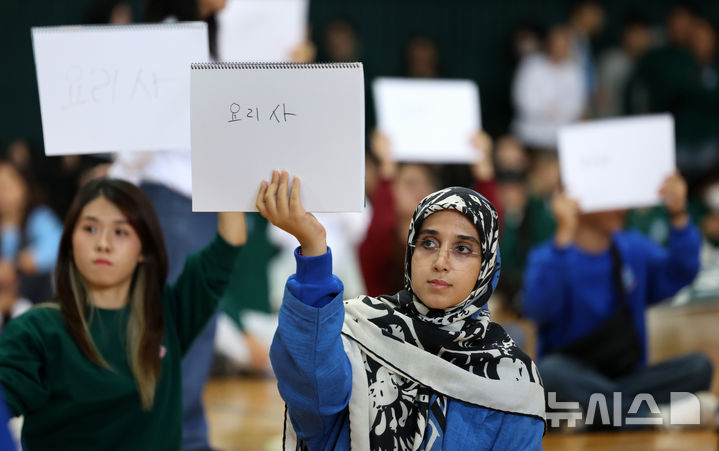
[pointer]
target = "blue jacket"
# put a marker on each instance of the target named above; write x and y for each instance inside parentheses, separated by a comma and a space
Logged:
(6, 441)
(568, 292)
(315, 379)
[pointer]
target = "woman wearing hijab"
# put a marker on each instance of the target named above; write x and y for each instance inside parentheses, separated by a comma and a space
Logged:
(422, 369)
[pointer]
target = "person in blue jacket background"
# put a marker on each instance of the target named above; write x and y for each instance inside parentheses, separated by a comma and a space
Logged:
(587, 291)
(422, 369)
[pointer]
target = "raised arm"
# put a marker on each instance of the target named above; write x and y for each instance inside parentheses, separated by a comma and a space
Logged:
(232, 228)
(194, 297)
(483, 171)
(483, 167)
(674, 196)
(676, 266)
(545, 290)
(312, 369)
(377, 250)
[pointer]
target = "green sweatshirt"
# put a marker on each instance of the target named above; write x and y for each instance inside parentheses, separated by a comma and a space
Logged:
(69, 403)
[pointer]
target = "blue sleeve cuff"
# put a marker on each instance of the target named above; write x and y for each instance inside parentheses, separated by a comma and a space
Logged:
(689, 229)
(313, 269)
(685, 238)
(314, 284)
(556, 250)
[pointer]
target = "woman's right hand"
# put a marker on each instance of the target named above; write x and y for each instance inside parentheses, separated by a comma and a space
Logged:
(283, 208)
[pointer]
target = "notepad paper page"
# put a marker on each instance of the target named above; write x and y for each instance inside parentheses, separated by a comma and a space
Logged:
(247, 122)
(114, 88)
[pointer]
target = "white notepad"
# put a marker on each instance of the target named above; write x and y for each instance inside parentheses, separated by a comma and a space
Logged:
(108, 88)
(428, 120)
(617, 163)
(261, 30)
(248, 119)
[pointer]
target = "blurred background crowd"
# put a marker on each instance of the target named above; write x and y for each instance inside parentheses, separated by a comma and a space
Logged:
(538, 66)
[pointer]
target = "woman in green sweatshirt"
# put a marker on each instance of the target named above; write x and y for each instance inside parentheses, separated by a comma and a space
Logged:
(99, 367)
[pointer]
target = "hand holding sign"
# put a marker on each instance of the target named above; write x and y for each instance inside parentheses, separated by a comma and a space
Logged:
(261, 30)
(566, 213)
(285, 211)
(674, 197)
(429, 121)
(382, 149)
(482, 168)
(617, 163)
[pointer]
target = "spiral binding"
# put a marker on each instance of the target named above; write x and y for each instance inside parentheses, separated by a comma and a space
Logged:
(221, 66)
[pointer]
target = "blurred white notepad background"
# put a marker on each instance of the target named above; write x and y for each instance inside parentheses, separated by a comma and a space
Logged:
(617, 163)
(107, 88)
(261, 30)
(250, 119)
(428, 120)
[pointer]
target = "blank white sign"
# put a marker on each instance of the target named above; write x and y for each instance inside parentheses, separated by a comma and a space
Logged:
(250, 119)
(261, 30)
(428, 120)
(617, 163)
(107, 88)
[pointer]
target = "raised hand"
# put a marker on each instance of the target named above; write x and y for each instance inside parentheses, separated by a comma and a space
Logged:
(304, 52)
(283, 208)
(674, 195)
(483, 167)
(566, 213)
(26, 262)
(381, 148)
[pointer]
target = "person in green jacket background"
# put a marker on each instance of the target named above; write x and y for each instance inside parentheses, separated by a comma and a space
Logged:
(99, 367)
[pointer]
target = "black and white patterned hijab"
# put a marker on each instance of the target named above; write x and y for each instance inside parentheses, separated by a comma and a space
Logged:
(408, 359)
(484, 217)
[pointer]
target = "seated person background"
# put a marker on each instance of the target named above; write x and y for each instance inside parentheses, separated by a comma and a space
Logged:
(29, 232)
(587, 291)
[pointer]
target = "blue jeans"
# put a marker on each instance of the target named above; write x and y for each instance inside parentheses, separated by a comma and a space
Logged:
(574, 382)
(186, 232)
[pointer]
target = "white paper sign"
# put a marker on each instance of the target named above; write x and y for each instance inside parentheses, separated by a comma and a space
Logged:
(250, 119)
(261, 30)
(107, 88)
(428, 120)
(617, 163)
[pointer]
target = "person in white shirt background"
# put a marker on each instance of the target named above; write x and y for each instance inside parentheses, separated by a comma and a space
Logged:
(548, 92)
